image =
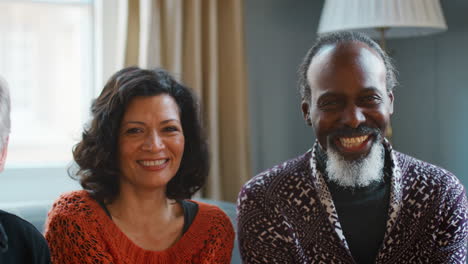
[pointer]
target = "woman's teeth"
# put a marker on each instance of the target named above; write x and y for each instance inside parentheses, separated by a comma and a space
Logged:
(149, 163)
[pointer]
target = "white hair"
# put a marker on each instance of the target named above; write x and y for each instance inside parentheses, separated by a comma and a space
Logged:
(5, 123)
(359, 173)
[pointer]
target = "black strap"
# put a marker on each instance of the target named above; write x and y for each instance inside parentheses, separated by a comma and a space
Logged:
(103, 206)
(190, 211)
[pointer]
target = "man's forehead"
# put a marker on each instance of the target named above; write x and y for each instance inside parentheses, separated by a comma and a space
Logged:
(338, 57)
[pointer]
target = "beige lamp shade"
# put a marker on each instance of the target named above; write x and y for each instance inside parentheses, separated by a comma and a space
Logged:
(400, 18)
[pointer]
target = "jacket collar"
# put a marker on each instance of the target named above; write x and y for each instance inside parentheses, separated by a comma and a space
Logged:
(327, 201)
(3, 239)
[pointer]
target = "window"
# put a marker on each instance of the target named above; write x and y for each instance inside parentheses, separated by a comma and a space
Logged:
(47, 57)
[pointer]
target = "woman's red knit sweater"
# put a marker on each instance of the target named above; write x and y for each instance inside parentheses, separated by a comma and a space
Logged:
(79, 231)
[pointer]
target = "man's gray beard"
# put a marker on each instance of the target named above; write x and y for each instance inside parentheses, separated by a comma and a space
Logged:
(358, 173)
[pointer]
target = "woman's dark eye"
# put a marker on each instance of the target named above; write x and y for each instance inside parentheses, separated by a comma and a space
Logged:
(171, 129)
(133, 130)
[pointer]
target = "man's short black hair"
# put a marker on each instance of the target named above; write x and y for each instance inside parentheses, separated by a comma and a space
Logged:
(337, 38)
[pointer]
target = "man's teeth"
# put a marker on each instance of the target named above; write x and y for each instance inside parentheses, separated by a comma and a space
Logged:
(352, 141)
(153, 162)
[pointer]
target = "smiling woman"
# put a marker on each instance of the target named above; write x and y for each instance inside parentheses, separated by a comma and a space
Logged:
(151, 142)
(120, 107)
(141, 158)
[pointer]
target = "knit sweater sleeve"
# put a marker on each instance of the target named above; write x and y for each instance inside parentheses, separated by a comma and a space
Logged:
(218, 246)
(72, 237)
(452, 236)
(262, 234)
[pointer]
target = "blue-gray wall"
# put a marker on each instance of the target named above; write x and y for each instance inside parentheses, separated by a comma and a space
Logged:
(431, 118)
(431, 113)
(278, 33)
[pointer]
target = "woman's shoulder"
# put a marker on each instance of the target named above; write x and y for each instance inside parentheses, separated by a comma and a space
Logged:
(210, 209)
(74, 203)
(209, 214)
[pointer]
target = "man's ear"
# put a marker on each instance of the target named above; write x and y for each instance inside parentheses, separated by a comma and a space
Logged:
(390, 96)
(306, 112)
(3, 154)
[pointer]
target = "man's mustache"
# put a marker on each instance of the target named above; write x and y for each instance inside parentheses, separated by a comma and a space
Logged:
(355, 132)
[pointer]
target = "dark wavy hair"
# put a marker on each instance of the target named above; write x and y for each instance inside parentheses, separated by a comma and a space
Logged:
(96, 155)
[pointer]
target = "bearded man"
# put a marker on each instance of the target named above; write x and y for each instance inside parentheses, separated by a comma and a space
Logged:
(351, 198)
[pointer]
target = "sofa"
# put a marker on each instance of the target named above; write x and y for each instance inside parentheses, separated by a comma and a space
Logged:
(36, 213)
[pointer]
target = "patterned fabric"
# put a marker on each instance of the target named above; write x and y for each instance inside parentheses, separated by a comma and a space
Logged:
(287, 215)
(79, 231)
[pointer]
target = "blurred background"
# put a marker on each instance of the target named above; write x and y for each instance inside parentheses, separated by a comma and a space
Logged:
(241, 58)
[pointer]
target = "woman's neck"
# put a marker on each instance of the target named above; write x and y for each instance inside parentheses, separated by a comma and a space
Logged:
(138, 207)
(149, 219)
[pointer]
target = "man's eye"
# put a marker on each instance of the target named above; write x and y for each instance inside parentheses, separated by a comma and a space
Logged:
(328, 104)
(371, 99)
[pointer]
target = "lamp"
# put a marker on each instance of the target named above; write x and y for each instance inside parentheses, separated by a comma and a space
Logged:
(383, 18)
